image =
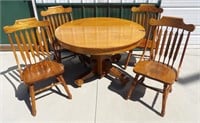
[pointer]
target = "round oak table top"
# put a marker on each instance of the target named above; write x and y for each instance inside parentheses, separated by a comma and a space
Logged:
(99, 36)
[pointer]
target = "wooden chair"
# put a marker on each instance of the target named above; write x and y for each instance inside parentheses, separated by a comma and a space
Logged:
(31, 37)
(58, 15)
(142, 15)
(171, 36)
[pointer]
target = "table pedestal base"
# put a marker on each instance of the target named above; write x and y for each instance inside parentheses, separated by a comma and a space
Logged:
(101, 66)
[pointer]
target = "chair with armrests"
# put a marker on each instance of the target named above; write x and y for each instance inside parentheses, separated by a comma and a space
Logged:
(171, 36)
(31, 37)
(58, 15)
(142, 15)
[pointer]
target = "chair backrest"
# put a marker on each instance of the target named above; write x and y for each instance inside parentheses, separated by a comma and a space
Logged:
(144, 13)
(171, 36)
(32, 38)
(57, 15)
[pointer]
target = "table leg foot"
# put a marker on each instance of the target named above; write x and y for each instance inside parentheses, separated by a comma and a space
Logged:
(118, 74)
(79, 82)
(110, 69)
(86, 76)
(123, 79)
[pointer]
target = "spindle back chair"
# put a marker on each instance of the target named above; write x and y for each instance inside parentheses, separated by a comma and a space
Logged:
(29, 40)
(57, 15)
(170, 36)
(142, 15)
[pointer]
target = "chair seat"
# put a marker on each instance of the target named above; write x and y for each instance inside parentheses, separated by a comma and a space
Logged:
(157, 71)
(41, 71)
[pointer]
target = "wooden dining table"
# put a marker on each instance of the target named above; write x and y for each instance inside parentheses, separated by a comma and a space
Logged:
(100, 38)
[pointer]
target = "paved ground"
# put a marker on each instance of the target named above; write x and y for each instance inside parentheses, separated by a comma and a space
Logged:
(100, 100)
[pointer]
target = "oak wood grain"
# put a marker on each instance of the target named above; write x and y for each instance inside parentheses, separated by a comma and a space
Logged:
(100, 36)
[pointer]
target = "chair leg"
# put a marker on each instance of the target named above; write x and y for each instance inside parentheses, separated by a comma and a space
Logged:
(61, 79)
(57, 52)
(128, 59)
(58, 55)
(32, 95)
(170, 88)
(133, 85)
(164, 100)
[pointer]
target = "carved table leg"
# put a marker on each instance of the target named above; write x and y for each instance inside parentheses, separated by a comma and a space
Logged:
(87, 75)
(101, 66)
